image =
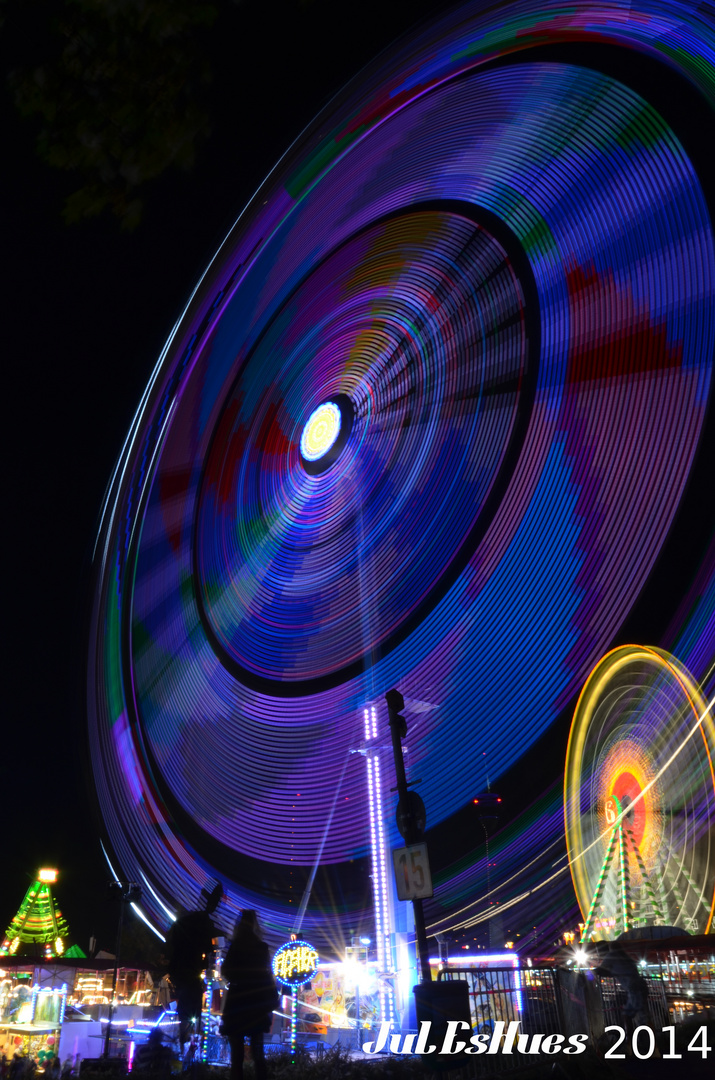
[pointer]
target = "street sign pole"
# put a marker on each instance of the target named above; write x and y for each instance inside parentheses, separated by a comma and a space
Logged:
(396, 702)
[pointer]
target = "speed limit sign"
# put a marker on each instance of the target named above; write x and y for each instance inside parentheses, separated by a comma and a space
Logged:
(412, 872)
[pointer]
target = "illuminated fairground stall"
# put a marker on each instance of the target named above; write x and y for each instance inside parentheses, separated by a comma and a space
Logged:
(331, 997)
(30, 1017)
(54, 1000)
(61, 1006)
(340, 997)
(340, 1001)
(322, 1002)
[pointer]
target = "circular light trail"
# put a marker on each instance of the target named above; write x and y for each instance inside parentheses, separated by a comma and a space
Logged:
(502, 275)
(639, 796)
(321, 431)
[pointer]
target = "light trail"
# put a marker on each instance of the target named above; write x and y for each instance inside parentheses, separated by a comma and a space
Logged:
(485, 915)
(634, 802)
(497, 888)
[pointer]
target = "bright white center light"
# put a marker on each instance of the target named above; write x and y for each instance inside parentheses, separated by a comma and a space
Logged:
(320, 432)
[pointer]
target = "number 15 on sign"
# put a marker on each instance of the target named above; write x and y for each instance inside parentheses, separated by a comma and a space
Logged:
(412, 872)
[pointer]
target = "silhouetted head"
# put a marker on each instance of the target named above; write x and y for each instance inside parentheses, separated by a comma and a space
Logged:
(246, 924)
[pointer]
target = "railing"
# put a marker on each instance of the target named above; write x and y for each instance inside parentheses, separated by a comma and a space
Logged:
(551, 1000)
(530, 996)
(556, 1001)
(613, 999)
(687, 979)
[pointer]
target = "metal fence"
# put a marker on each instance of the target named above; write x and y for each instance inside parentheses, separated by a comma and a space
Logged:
(687, 979)
(613, 1000)
(554, 1001)
(530, 996)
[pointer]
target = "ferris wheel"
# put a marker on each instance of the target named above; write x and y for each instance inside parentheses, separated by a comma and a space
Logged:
(639, 797)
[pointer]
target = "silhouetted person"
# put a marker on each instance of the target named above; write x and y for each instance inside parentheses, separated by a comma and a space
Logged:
(615, 961)
(252, 995)
(52, 1068)
(190, 945)
(153, 1057)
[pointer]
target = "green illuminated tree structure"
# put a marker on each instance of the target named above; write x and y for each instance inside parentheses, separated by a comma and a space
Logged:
(38, 921)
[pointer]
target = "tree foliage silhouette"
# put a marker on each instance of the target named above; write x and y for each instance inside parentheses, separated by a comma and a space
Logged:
(119, 96)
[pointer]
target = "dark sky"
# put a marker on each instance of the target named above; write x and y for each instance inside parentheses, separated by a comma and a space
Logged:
(86, 311)
(87, 308)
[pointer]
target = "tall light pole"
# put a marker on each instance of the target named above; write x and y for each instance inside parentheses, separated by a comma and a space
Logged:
(411, 813)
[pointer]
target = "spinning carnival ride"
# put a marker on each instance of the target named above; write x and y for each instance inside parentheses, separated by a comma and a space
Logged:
(426, 422)
(640, 797)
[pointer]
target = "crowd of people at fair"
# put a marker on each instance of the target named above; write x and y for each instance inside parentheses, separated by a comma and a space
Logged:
(22, 1066)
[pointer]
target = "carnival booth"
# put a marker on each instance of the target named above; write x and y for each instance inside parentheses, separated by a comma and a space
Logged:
(31, 1018)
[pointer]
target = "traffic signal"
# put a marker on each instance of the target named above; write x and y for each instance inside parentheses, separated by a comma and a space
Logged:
(396, 702)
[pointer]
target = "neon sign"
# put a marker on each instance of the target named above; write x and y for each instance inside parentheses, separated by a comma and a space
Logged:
(295, 963)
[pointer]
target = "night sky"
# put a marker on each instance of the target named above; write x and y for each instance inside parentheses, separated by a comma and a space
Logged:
(87, 308)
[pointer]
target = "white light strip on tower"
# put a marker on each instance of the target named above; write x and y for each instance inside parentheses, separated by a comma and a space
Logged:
(374, 802)
(380, 880)
(384, 946)
(373, 845)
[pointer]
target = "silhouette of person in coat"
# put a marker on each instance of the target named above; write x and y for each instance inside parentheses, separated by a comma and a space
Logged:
(252, 995)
